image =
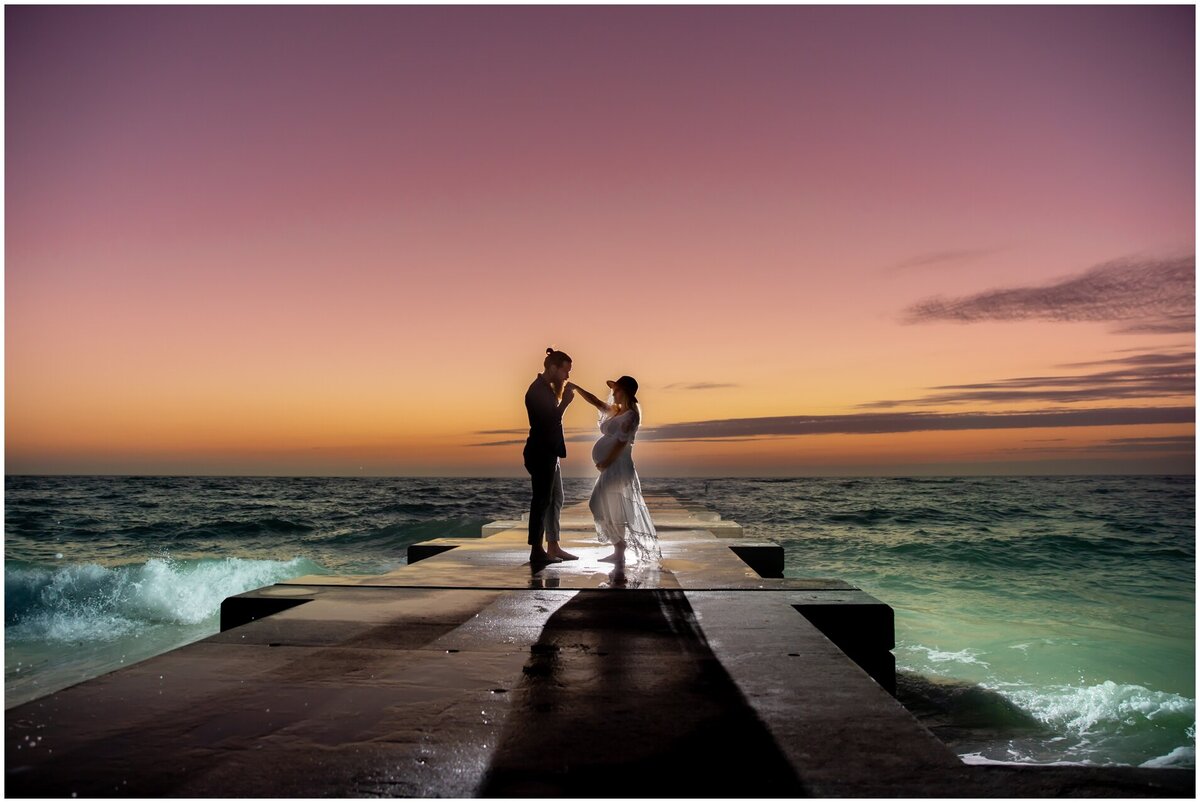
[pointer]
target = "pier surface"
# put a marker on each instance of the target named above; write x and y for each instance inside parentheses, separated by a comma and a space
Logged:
(470, 673)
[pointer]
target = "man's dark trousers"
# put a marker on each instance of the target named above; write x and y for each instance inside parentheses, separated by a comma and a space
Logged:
(541, 471)
(542, 450)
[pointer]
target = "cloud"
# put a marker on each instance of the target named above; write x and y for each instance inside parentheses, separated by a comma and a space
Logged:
(1180, 440)
(1167, 325)
(1170, 448)
(519, 434)
(1173, 444)
(1142, 376)
(942, 257)
(879, 423)
(699, 385)
(1142, 358)
(1146, 376)
(1146, 295)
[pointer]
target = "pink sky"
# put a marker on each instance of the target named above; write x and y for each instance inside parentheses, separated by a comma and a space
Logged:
(324, 240)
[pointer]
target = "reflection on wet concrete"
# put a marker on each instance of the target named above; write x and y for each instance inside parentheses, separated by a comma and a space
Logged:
(621, 696)
(537, 581)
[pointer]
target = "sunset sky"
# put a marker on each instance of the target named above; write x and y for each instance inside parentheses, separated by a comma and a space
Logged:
(826, 240)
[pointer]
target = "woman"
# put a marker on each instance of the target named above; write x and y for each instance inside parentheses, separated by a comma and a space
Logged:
(617, 504)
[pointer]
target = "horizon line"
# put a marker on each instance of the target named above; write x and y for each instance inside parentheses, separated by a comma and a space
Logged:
(644, 477)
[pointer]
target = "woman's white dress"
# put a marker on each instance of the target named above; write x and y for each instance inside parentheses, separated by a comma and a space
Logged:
(617, 504)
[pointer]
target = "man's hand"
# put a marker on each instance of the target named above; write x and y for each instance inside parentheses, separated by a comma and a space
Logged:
(568, 394)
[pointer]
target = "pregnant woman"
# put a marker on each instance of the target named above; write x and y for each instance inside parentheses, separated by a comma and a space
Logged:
(617, 504)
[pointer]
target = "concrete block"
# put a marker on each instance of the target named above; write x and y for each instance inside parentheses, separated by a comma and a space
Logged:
(419, 552)
(246, 608)
(765, 559)
(863, 628)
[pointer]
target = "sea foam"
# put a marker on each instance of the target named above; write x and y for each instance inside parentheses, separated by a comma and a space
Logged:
(1109, 706)
(86, 602)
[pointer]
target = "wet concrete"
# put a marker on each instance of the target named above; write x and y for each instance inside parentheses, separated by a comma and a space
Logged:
(623, 697)
(471, 673)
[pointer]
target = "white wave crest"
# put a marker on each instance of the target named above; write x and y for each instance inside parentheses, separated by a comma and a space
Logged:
(1106, 706)
(87, 602)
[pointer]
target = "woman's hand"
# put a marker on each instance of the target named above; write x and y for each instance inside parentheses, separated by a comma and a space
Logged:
(603, 464)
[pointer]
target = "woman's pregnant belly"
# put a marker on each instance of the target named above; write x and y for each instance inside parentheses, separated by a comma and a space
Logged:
(602, 448)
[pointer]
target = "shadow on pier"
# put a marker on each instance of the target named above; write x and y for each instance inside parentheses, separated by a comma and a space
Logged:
(622, 697)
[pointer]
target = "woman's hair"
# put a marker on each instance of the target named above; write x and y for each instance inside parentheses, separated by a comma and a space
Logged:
(555, 358)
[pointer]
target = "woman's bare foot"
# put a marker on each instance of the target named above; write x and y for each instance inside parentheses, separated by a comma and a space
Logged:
(555, 551)
(617, 557)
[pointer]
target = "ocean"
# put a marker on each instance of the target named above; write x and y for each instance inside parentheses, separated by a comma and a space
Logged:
(1038, 619)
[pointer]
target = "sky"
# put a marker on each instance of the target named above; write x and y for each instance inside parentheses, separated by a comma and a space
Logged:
(830, 240)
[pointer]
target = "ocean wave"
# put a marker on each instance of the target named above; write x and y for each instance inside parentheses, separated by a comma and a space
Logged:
(413, 508)
(867, 517)
(1108, 707)
(249, 528)
(398, 536)
(1030, 549)
(1183, 756)
(1063, 725)
(964, 656)
(953, 708)
(86, 602)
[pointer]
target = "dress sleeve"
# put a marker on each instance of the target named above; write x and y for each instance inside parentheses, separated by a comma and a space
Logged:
(626, 427)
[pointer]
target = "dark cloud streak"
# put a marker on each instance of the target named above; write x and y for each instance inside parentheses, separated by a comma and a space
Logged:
(699, 385)
(1144, 376)
(1179, 440)
(1147, 295)
(942, 257)
(745, 429)
(880, 423)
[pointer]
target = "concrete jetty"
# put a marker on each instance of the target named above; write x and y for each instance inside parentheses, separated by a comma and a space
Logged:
(468, 672)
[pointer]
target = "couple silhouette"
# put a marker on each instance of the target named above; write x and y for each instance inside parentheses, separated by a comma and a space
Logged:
(616, 503)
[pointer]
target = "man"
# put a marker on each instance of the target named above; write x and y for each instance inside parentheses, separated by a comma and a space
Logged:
(545, 402)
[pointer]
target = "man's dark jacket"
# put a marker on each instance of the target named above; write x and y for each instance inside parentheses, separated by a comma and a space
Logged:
(545, 422)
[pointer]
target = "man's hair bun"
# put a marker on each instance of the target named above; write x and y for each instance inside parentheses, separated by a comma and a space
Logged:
(554, 357)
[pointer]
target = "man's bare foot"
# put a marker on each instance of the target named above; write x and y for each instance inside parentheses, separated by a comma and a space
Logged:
(539, 557)
(555, 551)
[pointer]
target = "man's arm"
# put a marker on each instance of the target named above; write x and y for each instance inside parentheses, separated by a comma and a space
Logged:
(546, 407)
